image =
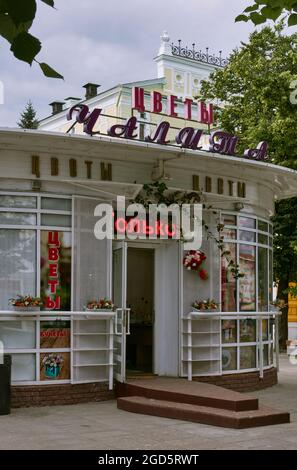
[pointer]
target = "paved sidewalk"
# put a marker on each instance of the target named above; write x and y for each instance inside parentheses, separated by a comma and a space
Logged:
(102, 426)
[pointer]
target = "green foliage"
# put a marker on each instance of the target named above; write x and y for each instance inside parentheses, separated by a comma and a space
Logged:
(256, 88)
(16, 19)
(28, 118)
(263, 10)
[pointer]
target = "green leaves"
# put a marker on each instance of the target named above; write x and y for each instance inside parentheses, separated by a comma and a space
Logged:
(25, 47)
(16, 19)
(49, 71)
(21, 11)
(51, 3)
(263, 10)
(292, 21)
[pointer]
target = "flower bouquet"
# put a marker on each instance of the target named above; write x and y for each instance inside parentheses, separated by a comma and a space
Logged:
(52, 364)
(100, 305)
(193, 261)
(208, 305)
(26, 303)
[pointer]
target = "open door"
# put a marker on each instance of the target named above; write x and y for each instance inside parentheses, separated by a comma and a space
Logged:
(122, 313)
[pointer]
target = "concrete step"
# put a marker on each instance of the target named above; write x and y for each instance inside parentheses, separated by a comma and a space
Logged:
(183, 391)
(203, 414)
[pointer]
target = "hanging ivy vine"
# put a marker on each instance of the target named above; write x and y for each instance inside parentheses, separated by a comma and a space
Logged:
(159, 193)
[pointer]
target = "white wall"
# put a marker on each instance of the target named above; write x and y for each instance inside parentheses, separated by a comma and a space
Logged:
(166, 330)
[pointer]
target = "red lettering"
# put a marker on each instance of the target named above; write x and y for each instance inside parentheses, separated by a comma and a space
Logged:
(53, 254)
(172, 105)
(53, 270)
(188, 108)
(156, 102)
(53, 283)
(205, 113)
(120, 225)
(138, 99)
(53, 239)
(51, 304)
(188, 138)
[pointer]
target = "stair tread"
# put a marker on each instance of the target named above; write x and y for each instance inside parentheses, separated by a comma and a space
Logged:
(203, 414)
(263, 410)
(181, 390)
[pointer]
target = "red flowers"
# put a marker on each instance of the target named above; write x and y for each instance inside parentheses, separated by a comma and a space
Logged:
(193, 261)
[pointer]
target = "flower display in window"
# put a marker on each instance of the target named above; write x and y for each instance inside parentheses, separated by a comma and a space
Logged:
(52, 364)
(208, 304)
(193, 261)
(26, 301)
(101, 304)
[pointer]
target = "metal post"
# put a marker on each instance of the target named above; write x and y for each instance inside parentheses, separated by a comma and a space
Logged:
(276, 334)
(261, 347)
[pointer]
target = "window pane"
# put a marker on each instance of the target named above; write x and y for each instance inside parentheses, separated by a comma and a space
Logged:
(247, 330)
(54, 220)
(229, 359)
(18, 202)
(263, 281)
(229, 331)
(270, 277)
(228, 219)
(247, 266)
(262, 226)
(262, 239)
(247, 222)
(229, 233)
(17, 218)
(265, 330)
(23, 367)
(228, 281)
(248, 357)
(270, 229)
(55, 366)
(247, 236)
(62, 273)
(52, 203)
(55, 334)
(18, 264)
(265, 355)
(18, 334)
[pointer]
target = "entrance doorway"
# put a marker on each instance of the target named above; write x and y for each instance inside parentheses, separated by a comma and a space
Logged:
(140, 299)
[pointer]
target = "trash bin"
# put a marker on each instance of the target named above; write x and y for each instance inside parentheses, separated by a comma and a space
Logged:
(5, 380)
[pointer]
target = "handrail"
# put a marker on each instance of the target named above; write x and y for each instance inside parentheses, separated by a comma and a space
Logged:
(55, 313)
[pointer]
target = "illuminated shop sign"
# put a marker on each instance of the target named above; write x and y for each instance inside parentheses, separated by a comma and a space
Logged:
(133, 225)
(220, 142)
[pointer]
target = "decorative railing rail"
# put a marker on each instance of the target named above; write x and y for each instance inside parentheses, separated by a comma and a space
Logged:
(198, 55)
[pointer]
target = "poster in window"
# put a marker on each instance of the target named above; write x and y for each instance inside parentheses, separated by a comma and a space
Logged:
(55, 334)
(247, 266)
(55, 268)
(55, 366)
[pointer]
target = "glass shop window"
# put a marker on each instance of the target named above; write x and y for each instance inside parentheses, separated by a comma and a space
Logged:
(247, 284)
(55, 204)
(263, 284)
(55, 269)
(55, 220)
(18, 202)
(18, 264)
(247, 222)
(248, 331)
(228, 281)
(17, 218)
(229, 331)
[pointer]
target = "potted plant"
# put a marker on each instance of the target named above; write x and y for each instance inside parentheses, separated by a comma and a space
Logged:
(27, 303)
(208, 305)
(102, 305)
(52, 364)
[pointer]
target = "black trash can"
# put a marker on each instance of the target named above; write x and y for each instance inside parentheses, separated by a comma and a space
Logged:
(5, 384)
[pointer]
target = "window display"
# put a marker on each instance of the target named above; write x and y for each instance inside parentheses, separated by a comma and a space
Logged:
(248, 357)
(229, 331)
(229, 359)
(247, 330)
(247, 285)
(228, 281)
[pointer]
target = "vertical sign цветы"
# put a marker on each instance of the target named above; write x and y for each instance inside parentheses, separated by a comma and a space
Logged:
(52, 301)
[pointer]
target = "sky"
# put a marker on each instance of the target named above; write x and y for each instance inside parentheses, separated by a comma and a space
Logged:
(110, 42)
